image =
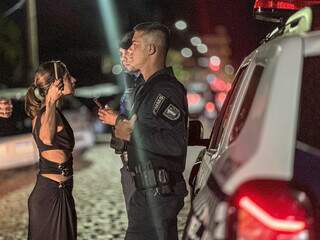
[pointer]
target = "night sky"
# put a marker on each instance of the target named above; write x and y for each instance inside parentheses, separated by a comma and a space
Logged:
(71, 30)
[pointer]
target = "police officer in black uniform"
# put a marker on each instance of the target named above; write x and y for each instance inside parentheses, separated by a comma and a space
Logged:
(156, 131)
(107, 116)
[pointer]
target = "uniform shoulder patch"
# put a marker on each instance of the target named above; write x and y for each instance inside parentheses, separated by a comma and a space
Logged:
(164, 108)
(157, 104)
(171, 112)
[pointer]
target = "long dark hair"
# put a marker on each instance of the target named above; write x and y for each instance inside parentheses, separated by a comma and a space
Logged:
(43, 78)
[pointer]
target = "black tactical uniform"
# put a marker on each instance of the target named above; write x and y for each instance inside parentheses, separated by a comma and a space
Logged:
(132, 82)
(157, 154)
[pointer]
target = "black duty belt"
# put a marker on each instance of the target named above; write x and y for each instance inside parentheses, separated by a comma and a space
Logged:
(160, 178)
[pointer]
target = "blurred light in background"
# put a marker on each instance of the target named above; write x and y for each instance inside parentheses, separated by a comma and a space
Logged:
(220, 98)
(193, 98)
(104, 89)
(195, 41)
(210, 107)
(16, 93)
(215, 60)
(210, 78)
(116, 69)
(110, 25)
(197, 87)
(180, 25)
(229, 69)
(106, 64)
(203, 62)
(210, 110)
(218, 85)
(202, 48)
(186, 52)
(228, 87)
(214, 64)
(111, 29)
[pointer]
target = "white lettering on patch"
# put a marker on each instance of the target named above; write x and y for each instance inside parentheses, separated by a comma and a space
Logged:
(158, 103)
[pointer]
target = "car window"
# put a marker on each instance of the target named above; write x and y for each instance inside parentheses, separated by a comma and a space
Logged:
(226, 108)
(309, 114)
(247, 102)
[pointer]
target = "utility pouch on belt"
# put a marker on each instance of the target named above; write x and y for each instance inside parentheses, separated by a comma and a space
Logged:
(144, 177)
(164, 184)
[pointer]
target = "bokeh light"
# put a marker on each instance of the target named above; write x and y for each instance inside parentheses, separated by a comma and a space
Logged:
(195, 41)
(202, 48)
(186, 52)
(180, 25)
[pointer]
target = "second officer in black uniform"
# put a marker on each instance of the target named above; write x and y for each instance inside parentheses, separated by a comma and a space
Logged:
(108, 116)
(156, 133)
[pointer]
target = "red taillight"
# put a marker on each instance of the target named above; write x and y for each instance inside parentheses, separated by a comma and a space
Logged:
(270, 210)
(283, 4)
(273, 223)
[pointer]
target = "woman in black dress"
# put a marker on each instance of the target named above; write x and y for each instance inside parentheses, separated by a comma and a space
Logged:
(52, 214)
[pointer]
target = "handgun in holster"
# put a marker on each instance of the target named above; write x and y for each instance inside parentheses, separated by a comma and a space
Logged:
(147, 177)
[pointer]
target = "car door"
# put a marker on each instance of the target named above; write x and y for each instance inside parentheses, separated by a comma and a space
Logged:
(212, 151)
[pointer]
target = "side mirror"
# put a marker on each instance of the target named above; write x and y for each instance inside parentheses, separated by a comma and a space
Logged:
(195, 137)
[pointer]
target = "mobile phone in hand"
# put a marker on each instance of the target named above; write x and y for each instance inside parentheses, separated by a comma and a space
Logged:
(96, 101)
(57, 74)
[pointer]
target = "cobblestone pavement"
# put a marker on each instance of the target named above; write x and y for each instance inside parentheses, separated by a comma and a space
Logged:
(99, 201)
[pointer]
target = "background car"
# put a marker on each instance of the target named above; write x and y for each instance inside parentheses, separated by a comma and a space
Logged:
(259, 174)
(198, 94)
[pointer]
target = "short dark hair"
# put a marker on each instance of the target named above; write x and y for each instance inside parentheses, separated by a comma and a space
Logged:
(150, 27)
(126, 40)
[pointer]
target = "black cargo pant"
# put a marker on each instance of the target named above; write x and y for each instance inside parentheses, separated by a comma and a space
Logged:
(153, 216)
(128, 186)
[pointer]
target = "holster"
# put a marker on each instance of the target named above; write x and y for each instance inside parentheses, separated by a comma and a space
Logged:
(147, 177)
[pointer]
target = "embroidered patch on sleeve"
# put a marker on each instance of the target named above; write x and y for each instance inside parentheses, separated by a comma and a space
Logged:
(158, 103)
(166, 109)
(171, 112)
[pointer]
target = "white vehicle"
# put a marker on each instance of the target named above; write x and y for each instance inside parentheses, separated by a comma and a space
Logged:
(17, 147)
(259, 176)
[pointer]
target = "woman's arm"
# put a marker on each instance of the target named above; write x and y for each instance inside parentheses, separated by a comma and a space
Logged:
(48, 126)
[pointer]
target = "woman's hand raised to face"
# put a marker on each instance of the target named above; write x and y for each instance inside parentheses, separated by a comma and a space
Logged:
(55, 91)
